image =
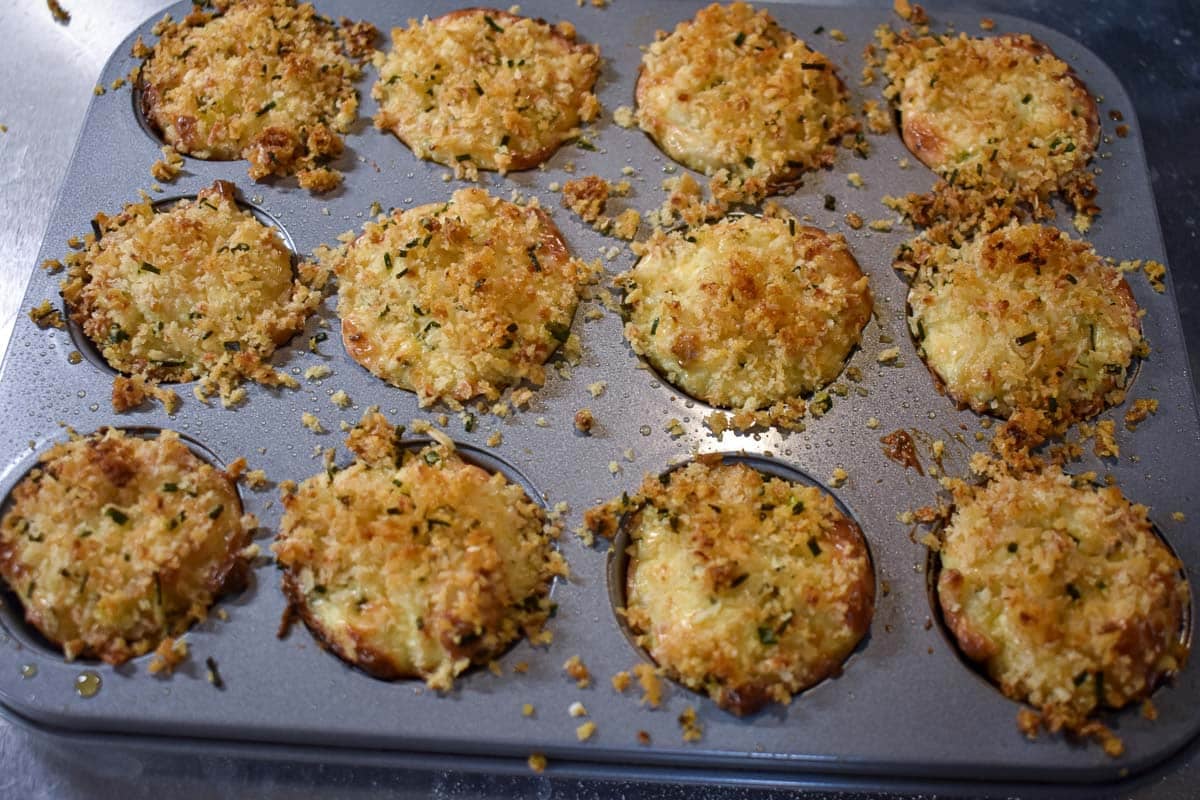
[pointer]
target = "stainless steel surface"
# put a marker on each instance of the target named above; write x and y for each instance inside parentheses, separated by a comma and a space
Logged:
(22, 264)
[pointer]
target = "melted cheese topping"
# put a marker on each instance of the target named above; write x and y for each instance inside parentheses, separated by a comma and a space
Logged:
(458, 299)
(747, 311)
(747, 587)
(1064, 594)
(1024, 317)
(267, 81)
(114, 543)
(482, 88)
(732, 90)
(202, 290)
(996, 112)
(415, 563)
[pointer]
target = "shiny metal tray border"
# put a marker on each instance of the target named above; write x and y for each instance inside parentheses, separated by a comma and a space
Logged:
(878, 718)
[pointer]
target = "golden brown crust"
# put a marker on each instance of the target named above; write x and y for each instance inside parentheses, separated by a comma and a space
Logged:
(200, 290)
(746, 587)
(266, 80)
(114, 543)
(1024, 318)
(481, 88)
(747, 312)
(416, 566)
(1064, 593)
(732, 90)
(458, 299)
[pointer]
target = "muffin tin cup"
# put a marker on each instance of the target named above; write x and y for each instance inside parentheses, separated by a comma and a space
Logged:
(905, 706)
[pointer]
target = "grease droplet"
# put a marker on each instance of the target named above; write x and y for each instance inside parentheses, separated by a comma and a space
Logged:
(29, 670)
(644, 430)
(87, 684)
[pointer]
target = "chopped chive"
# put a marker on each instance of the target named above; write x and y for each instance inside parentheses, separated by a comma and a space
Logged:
(813, 547)
(1012, 547)
(748, 161)
(216, 511)
(584, 144)
(737, 40)
(798, 507)
(1072, 591)
(533, 259)
(432, 457)
(116, 515)
(1027, 338)
(233, 347)
(463, 157)
(1025, 100)
(491, 23)
(654, 326)
(214, 675)
(558, 331)
(269, 105)
(170, 487)
(148, 267)
(387, 260)
(766, 635)
(504, 140)
(830, 202)
(478, 89)
(791, 227)
(817, 67)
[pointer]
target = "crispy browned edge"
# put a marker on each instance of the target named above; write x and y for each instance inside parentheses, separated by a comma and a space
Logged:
(916, 138)
(1071, 414)
(780, 182)
(228, 577)
(748, 698)
(977, 647)
(521, 161)
(551, 238)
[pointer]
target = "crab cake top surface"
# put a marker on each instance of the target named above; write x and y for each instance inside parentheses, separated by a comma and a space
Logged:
(747, 311)
(198, 290)
(1063, 592)
(732, 90)
(747, 587)
(269, 81)
(114, 542)
(485, 89)
(1024, 317)
(414, 562)
(458, 299)
(1002, 111)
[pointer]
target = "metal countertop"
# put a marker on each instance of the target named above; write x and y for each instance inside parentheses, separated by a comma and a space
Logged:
(1154, 48)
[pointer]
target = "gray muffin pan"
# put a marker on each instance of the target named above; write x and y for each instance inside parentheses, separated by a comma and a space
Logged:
(905, 706)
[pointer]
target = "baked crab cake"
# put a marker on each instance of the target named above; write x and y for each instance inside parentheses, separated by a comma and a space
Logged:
(485, 89)
(995, 113)
(114, 542)
(458, 299)
(1024, 317)
(744, 586)
(269, 81)
(413, 562)
(198, 290)
(1062, 592)
(747, 311)
(732, 90)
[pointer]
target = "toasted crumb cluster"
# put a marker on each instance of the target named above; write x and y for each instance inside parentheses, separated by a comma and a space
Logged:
(412, 562)
(732, 90)
(458, 299)
(747, 587)
(113, 543)
(1063, 592)
(1024, 318)
(748, 311)
(200, 290)
(269, 81)
(1002, 120)
(485, 89)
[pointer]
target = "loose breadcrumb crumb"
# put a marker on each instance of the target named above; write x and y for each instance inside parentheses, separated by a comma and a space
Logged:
(1178, 516)
(854, 220)
(648, 679)
(168, 655)
(596, 389)
(1141, 408)
(575, 667)
(1106, 443)
(541, 422)
(577, 709)
(585, 731)
(839, 477)
(311, 422)
(584, 420)
(495, 440)
(624, 116)
(855, 180)
(317, 372)
(889, 355)
(46, 315)
(340, 398)
(872, 423)
(693, 730)
(537, 763)
(620, 681)
(675, 428)
(527, 710)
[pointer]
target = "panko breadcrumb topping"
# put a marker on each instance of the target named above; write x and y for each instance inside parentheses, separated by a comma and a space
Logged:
(413, 562)
(200, 290)
(458, 299)
(481, 88)
(1002, 120)
(731, 90)
(114, 543)
(269, 81)
(747, 587)
(1064, 593)
(747, 312)
(1024, 318)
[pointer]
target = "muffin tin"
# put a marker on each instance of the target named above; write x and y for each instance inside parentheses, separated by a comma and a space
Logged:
(905, 706)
